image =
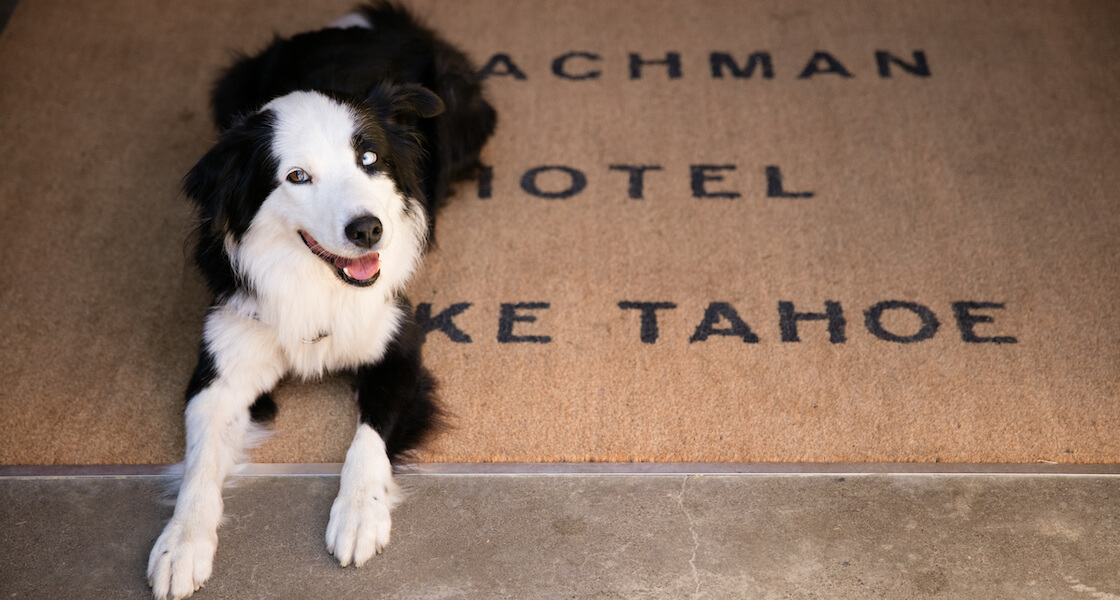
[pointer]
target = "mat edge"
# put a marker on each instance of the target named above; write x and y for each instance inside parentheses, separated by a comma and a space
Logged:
(583, 469)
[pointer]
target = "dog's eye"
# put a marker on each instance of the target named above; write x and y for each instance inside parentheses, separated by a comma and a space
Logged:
(368, 158)
(298, 176)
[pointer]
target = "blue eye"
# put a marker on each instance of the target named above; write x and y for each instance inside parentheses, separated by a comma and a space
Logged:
(368, 158)
(298, 176)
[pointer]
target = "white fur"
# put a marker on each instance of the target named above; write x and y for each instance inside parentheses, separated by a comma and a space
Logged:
(218, 427)
(257, 338)
(359, 525)
(352, 20)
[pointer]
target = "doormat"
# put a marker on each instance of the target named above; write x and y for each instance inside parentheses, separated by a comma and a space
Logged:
(712, 231)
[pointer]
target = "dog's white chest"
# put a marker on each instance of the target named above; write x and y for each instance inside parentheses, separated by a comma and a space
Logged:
(347, 337)
(317, 333)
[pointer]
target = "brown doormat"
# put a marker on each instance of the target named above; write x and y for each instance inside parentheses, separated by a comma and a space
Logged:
(710, 231)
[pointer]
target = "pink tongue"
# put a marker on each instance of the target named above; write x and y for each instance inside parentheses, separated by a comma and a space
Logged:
(360, 268)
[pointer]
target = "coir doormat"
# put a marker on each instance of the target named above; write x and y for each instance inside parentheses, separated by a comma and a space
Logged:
(707, 231)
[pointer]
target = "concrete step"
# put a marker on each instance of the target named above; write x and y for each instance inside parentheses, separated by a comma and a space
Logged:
(594, 536)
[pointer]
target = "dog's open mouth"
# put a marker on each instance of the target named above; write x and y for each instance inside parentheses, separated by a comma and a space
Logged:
(361, 271)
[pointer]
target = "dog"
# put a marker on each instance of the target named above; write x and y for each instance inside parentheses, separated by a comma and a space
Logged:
(315, 208)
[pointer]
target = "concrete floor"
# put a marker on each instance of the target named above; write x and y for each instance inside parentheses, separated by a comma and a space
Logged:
(595, 536)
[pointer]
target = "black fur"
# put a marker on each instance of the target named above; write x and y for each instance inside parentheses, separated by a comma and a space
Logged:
(397, 395)
(204, 373)
(228, 186)
(263, 409)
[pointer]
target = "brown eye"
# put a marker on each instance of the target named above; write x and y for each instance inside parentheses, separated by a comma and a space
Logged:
(368, 158)
(298, 176)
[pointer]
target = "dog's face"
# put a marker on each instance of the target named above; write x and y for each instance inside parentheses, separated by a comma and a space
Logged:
(336, 188)
(318, 186)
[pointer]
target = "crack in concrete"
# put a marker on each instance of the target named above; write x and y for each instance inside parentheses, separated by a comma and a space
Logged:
(695, 536)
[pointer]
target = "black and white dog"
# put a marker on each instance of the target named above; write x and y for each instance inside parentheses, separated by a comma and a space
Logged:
(316, 205)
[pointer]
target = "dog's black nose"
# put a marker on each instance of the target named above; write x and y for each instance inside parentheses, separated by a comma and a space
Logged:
(364, 231)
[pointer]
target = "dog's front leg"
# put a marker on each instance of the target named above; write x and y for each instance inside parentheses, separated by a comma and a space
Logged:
(228, 380)
(398, 407)
(360, 523)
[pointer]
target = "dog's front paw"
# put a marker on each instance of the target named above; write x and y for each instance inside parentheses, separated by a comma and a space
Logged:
(180, 562)
(360, 523)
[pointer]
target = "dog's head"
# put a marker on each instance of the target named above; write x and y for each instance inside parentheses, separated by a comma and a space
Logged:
(317, 184)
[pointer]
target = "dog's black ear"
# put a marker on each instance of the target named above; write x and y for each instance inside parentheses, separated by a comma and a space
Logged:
(456, 138)
(469, 122)
(232, 180)
(402, 101)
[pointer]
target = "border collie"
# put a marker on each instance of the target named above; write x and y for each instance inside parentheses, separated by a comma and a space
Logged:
(316, 205)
